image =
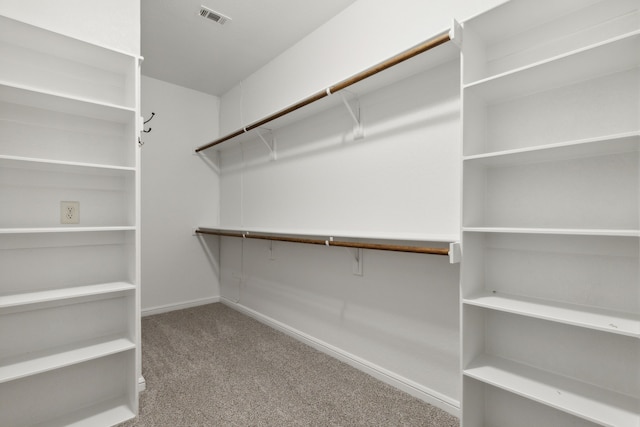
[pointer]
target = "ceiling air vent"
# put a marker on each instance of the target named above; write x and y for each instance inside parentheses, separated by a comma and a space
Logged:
(205, 12)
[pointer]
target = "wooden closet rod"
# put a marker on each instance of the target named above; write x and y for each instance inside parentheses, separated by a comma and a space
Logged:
(408, 54)
(359, 245)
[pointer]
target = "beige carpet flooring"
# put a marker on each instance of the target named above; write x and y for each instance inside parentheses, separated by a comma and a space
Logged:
(213, 366)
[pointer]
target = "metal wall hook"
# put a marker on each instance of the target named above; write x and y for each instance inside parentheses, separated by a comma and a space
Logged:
(140, 142)
(147, 121)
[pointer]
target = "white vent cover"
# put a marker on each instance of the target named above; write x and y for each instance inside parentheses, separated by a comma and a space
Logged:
(205, 12)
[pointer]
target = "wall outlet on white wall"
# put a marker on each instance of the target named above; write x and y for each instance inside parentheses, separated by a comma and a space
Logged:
(69, 212)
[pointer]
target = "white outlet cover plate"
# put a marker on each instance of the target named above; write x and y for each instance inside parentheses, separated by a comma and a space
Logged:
(69, 212)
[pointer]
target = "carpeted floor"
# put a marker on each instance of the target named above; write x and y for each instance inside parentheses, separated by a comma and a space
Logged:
(213, 366)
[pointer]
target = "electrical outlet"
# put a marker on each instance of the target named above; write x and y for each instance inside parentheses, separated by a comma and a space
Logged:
(69, 212)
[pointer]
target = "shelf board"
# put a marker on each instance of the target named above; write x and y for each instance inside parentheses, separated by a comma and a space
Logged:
(107, 413)
(63, 46)
(15, 300)
(561, 231)
(601, 59)
(325, 234)
(38, 230)
(33, 97)
(571, 314)
(513, 17)
(591, 147)
(36, 363)
(420, 63)
(63, 166)
(583, 400)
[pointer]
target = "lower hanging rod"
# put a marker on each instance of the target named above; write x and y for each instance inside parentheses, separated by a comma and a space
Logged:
(329, 242)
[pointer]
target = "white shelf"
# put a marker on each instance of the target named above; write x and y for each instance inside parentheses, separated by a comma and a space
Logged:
(551, 144)
(420, 63)
(560, 231)
(36, 363)
(36, 230)
(63, 166)
(107, 413)
(14, 300)
(578, 315)
(35, 38)
(59, 102)
(584, 64)
(584, 400)
(72, 66)
(324, 234)
(603, 145)
(515, 17)
(69, 131)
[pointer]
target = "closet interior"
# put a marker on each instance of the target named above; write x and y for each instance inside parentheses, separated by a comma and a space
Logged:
(508, 143)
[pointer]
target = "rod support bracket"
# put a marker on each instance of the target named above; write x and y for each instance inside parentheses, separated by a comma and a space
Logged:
(272, 255)
(269, 141)
(455, 33)
(455, 253)
(354, 112)
(357, 262)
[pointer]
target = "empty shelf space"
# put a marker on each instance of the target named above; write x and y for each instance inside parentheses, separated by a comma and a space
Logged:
(27, 96)
(604, 145)
(15, 300)
(63, 166)
(35, 363)
(107, 413)
(37, 39)
(37, 230)
(520, 32)
(571, 314)
(559, 231)
(605, 58)
(581, 399)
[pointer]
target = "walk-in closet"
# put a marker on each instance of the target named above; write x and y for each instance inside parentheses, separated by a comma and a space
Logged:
(351, 212)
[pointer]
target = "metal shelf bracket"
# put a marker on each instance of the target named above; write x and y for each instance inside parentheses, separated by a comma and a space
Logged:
(269, 140)
(354, 112)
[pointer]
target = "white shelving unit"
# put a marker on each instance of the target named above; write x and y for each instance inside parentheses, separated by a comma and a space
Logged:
(69, 293)
(551, 173)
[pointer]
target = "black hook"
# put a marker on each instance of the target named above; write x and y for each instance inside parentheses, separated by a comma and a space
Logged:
(147, 121)
(140, 142)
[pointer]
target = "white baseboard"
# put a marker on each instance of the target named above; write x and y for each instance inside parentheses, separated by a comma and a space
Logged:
(142, 384)
(178, 306)
(419, 391)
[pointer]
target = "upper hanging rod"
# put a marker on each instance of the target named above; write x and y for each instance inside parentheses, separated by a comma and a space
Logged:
(329, 242)
(408, 54)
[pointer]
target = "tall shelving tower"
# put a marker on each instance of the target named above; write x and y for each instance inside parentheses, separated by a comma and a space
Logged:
(69, 288)
(550, 286)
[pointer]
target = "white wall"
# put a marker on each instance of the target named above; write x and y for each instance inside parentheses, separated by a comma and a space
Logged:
(400, 321)
(179, 191)
(324, 181)
(113, 23)
(364, 34)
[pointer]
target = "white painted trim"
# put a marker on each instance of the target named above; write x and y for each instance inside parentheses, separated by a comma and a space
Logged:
(419, 391)
(142, 384)
(178, 306)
